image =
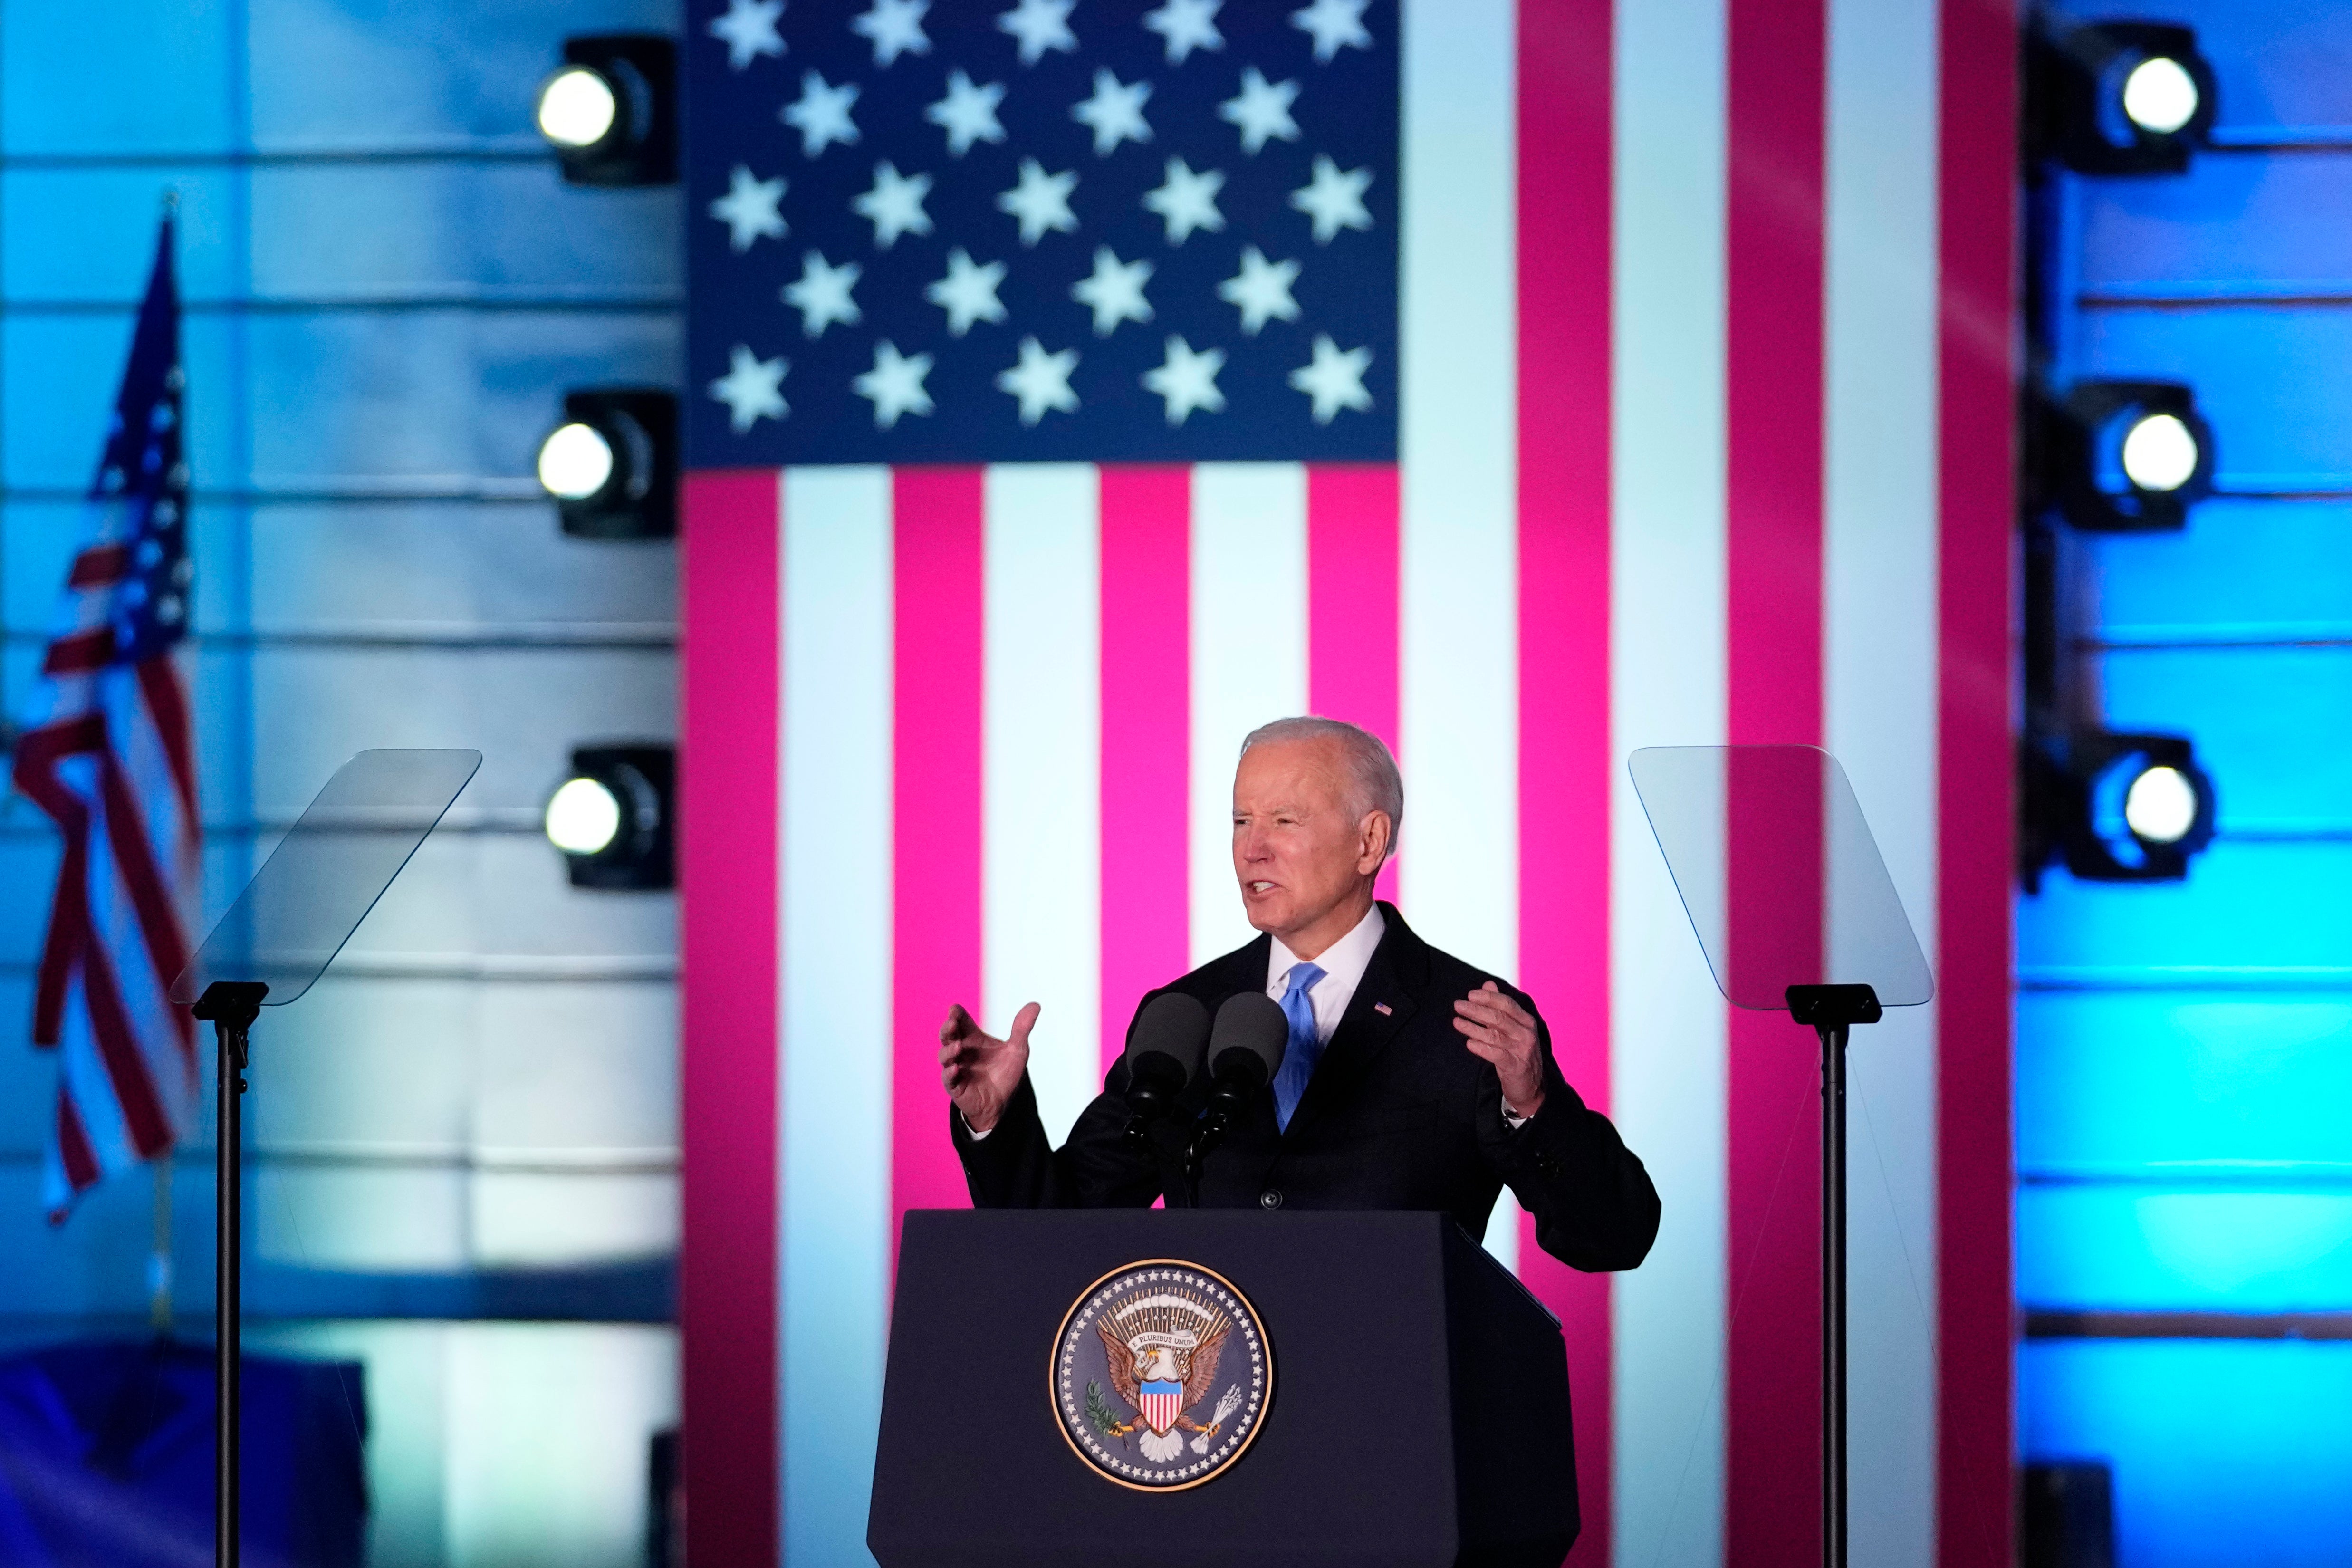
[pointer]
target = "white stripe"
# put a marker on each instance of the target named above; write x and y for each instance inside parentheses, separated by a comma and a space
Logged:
(1458, 626)
(835, 973)
(1041, 793)
(1248, 656)
(1880, 660)
(1668, 652)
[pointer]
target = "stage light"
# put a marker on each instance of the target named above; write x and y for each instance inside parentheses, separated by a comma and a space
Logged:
(2116, 808)
(613, 816)
(2160, 96)
(575, 462)
(2121, 457)
(610, 110)
(611, 464)
(2118, 98)
(2160, 805)
(584, 816)
(2159, 452)
(577, 108)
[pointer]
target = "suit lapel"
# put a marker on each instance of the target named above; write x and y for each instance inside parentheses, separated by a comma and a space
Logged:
(1384, 999)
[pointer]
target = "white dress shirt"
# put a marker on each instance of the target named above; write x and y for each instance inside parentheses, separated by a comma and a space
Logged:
(1342, 964)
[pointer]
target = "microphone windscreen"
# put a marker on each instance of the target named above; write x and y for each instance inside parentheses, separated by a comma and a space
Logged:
(1253, 1023)
(1174, 1025)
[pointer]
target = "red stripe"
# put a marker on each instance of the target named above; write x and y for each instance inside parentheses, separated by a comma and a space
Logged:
(1351, 603)
(1772, 370)
(1976, 195)
(118, 1048)
(80, 1160)
(1565, 769)
(99, 565)
(727, 946)
(80, 653)
(167, 702)
(1146, 734)
(935, 836)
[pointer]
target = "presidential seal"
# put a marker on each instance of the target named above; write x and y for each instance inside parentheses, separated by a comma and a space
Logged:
(1161, 1376)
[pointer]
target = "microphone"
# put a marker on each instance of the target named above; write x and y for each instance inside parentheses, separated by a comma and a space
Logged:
(1244, 1053)
(1162, 1058)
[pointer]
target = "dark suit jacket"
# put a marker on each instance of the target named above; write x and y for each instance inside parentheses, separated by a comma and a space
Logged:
(1399, 1115)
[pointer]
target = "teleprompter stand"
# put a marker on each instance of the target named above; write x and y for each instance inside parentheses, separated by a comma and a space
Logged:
(1792, 905)
(1831, 1010)
(291, 920)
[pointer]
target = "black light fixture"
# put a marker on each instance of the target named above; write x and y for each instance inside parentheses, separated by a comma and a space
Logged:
(611, 464)
(2118, 98)
(2123, 456)
(614, 816)
(2118, 807)
(610, 109)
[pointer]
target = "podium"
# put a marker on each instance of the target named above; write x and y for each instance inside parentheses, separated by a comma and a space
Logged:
(1414, 1410)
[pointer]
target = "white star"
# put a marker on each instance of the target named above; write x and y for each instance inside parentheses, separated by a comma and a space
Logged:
(1041, 381)
(748, 208)
(1187, 25)
(1261, 109)
(1187, 201)
(895, 205)
(749, 388)
(1262, 289)
(1114, 292)
(1334, 380)
(1336, 24)
(895, 27)
(895, 384)
(1040, 25)
(1114, 112)
(821, 114)
(968, 113)
(822, 295)
(749, 31)
(1187, 380)
(1334, 200)
(967, 293)
(1040, 201)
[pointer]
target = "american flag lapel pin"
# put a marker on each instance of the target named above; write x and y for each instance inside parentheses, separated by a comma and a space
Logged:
(1381, 1008)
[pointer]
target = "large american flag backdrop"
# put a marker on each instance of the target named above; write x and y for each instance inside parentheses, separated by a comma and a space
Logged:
(1076, 387)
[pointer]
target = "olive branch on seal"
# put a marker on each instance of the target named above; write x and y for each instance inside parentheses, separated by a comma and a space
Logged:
(1100, 1416)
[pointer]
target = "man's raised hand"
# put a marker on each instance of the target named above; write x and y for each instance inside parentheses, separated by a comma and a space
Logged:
(1500, 1030)
(979, 1071)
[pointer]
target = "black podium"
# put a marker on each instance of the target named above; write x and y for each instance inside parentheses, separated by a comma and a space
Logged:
(1417, 1412)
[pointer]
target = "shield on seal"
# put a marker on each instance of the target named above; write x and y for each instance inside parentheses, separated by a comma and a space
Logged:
(1162, 1403)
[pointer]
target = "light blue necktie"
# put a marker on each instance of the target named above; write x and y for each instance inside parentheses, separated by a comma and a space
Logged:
(1298, 1058)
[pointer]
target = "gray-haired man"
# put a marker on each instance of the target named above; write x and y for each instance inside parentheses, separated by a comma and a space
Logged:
(1412, 1079)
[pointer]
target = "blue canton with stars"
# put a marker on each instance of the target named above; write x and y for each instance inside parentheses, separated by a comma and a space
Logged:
(982, 231)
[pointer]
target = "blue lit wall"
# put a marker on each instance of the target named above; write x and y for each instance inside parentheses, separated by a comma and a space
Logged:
(2185, 1051)
(469, 1127)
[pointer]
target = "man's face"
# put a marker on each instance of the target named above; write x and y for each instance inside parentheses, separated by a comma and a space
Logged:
(1296, 851)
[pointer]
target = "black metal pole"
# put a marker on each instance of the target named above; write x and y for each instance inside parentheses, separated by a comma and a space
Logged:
(230, 1006)
(1833, 1412)
(229, 1184)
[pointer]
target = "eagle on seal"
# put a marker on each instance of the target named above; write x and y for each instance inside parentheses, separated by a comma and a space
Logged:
(1165, 1338)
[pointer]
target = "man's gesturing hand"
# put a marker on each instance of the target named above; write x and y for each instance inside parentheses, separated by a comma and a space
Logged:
(979, 1071)
(1503, 1032)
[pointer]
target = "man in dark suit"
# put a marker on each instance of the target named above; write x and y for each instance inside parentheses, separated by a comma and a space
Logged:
(1411, 1081)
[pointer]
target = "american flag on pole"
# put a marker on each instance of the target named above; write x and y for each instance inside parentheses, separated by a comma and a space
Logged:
(107, 752)
(1075, 384)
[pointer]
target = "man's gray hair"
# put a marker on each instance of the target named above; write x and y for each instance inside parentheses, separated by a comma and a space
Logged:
(1374, 782)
